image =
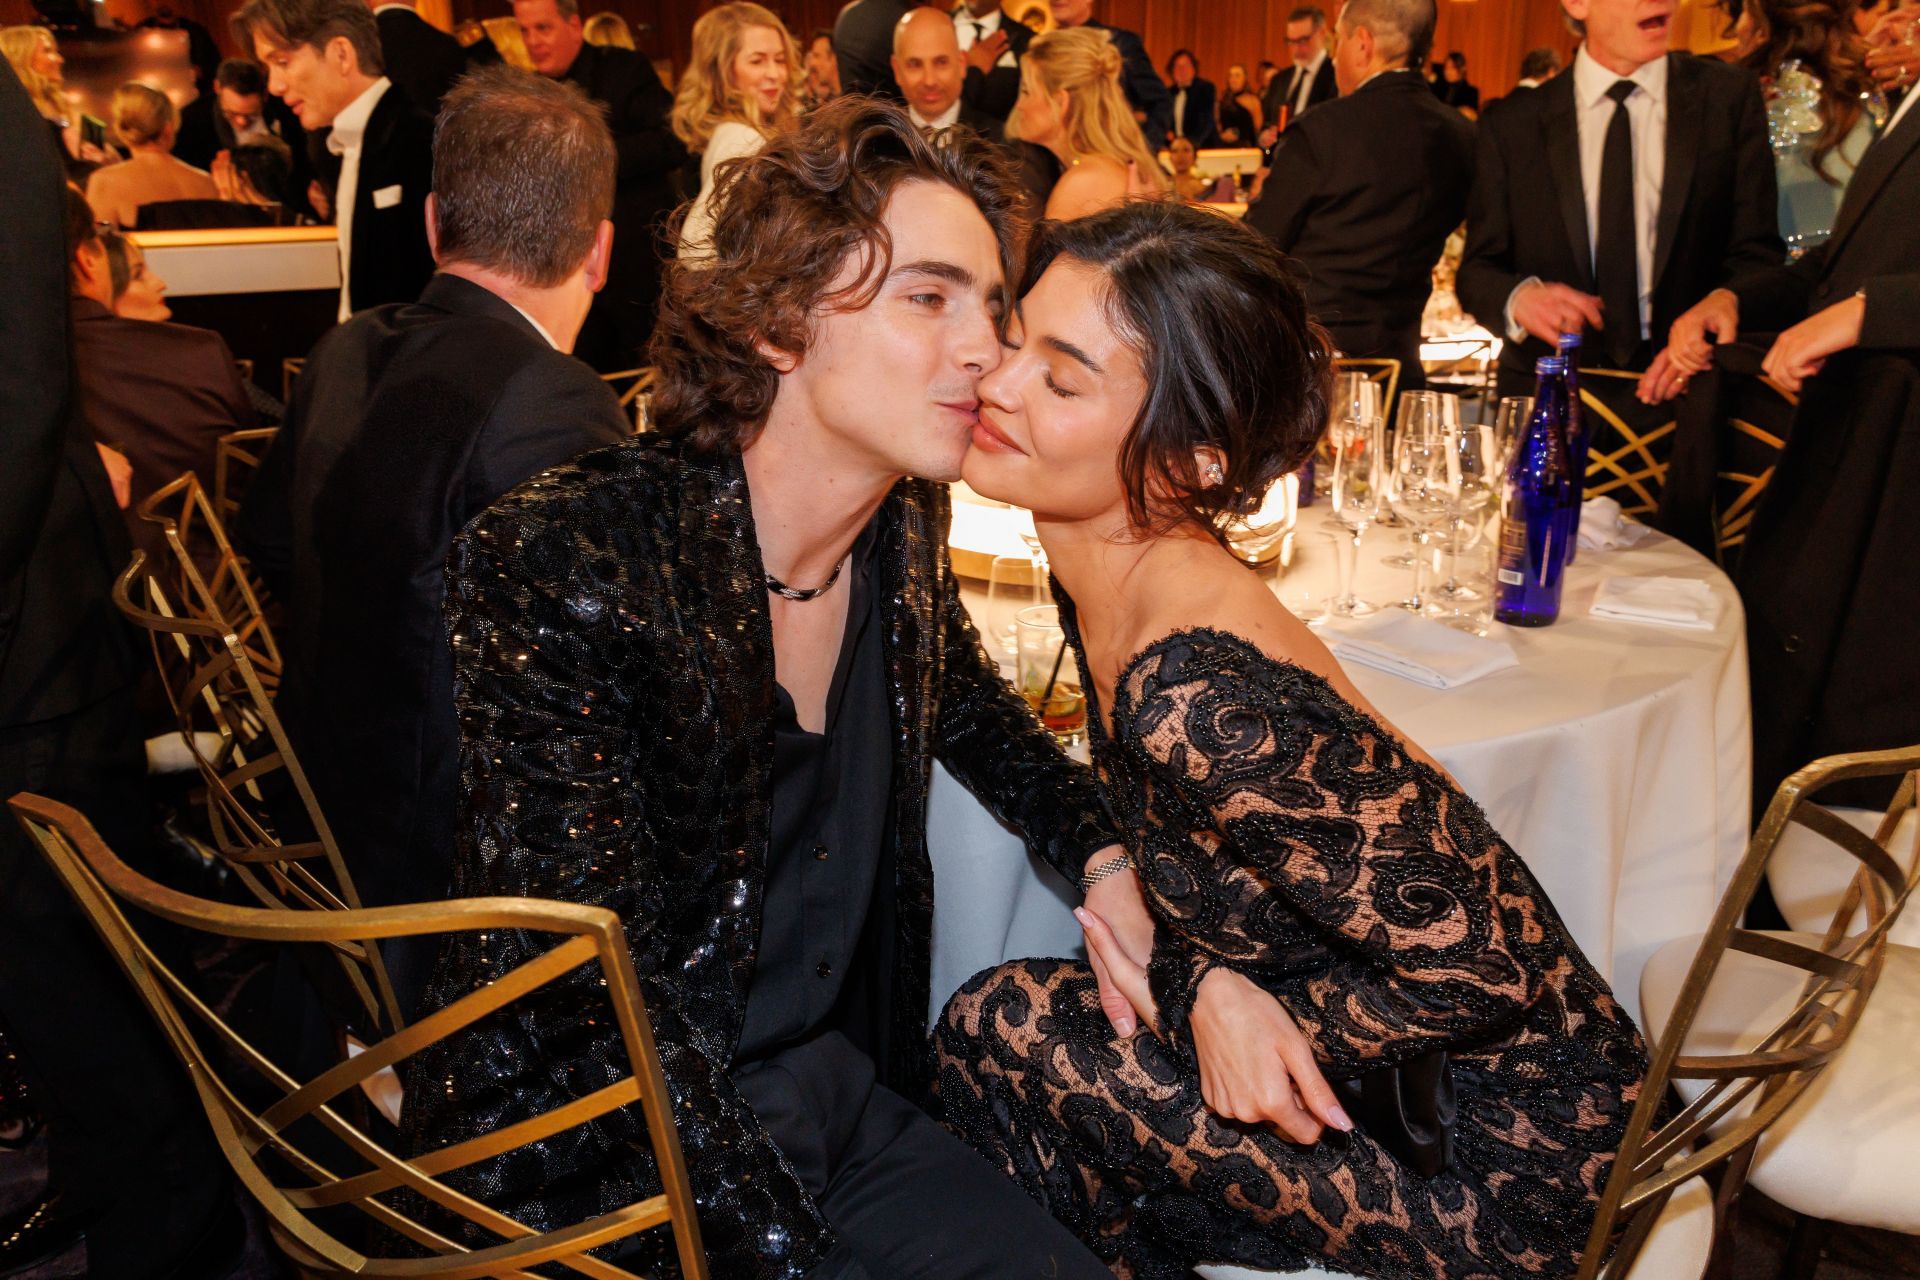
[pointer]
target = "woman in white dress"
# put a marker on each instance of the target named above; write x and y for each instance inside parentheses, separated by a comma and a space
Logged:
(742, 87)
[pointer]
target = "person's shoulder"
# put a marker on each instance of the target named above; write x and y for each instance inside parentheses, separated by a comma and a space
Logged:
(1714, 76)
(735, 138)
(608, 502)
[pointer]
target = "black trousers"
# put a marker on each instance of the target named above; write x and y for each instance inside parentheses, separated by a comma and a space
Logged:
(127, 1142)
(907, 1199)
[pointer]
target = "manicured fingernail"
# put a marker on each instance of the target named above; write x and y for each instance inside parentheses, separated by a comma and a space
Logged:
(1124, 1026)
(1341, 1121)
(1086, 921)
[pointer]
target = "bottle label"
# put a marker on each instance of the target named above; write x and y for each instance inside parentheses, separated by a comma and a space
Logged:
(1512, 577)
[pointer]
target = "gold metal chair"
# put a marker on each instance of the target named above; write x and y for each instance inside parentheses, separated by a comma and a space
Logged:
(205, 577)
(1755, 436)
(635, 389)
(289, 374)
(295, 1149)
(1729, 1099)
(236, 456)
(1627, 459)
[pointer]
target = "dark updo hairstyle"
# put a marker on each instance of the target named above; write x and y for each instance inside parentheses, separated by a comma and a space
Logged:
(1231, 357)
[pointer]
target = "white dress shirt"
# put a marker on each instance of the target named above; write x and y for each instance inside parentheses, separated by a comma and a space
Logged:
(968, 28)
(1647, 119)
(537, 326)
(1303, 86)
(940, 123)
(349, 131)
(1179, 112)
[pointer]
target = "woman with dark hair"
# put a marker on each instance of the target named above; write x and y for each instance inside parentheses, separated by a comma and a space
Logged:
(1308, 902)
(1240, 114)
(1811, 58)
(1452, 86)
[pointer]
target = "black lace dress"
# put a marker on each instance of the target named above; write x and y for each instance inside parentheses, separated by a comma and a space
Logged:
(1283, 833)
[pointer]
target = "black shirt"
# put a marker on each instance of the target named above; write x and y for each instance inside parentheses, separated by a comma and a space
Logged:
(828, 826)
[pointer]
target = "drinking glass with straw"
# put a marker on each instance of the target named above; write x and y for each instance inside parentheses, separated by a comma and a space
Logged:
(1048, 677)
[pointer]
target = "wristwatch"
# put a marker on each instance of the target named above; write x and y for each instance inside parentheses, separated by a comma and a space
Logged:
(1111, 867)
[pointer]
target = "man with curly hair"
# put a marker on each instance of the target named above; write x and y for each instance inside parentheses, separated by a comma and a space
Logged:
(702, 678)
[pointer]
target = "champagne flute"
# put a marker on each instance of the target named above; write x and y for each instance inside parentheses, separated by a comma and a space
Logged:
(1356, 497)
(1422, 496)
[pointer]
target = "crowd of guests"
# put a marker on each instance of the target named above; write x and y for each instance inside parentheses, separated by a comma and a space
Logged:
(505, 233)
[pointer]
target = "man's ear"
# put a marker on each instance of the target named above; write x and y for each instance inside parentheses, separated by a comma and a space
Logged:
(342, 55)
(89, 266)
(782, 361)
(600, 256)
(433, 229)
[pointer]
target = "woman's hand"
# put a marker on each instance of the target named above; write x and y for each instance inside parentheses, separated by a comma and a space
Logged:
(1255, 1065)
(1893, 49)
(1118, 902)
(1802, 351)
(119, 474)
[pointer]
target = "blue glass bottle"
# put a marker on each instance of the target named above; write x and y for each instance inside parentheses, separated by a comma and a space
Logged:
(1533, 508)
(1578, 440)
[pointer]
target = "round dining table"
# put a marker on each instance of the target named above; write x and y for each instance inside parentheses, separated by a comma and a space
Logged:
(1614, 758)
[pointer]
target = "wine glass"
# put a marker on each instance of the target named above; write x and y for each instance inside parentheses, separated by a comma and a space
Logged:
(1356, 496)
(1509, 426)
(1420, 411)
(1012, 585)
(1423, 495)
(1475, 480)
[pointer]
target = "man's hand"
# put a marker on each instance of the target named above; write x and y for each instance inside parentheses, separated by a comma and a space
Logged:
(1255, 1065)
(1707, 323)
(1118, 903)
(119, 474)
(1893, 49)
(987, 51)
(1662, 381)
(1802, 351)
(1548, 310)
(1269, 135)
(317, 197)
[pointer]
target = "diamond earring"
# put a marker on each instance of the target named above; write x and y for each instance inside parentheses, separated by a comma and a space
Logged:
(1215, 474)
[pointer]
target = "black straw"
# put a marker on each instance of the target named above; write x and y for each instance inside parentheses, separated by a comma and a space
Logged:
(1060, 655)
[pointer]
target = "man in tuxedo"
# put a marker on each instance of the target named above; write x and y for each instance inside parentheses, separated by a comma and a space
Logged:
(1616, 196)
(1146, 94)
(930, 70)
(1827, 574)
(994, 45)
(421, 58)
(863, 45)
(323, 60)
(1365, 190)
(159, 394)
(240, 112)
(1311, 79)
(617, 329)
(1194, 100)
(406, 422)
(131, 1163)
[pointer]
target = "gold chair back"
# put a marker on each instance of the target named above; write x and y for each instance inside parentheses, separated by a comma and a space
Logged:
(289, 374)
(1736, 1096)
(1627, 454)
(205, 576)
(635, 389)
(236, 456)
(267, 825)
(292, 1143)
(1759, 417)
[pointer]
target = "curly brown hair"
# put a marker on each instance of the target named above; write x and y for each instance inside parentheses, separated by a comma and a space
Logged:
(794, 214)
(1821, 35)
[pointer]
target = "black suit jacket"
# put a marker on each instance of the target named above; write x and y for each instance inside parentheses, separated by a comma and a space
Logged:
(205, 133)
(995, 91)
(407, 422)
(863, 46)
(637, 104)
(420, 57)
(1363, 194)
(388, 260)
(1326, 87)
(1199, 124)
(631, 581)
(1144, 88)
(63, 646)
(162, 394)
(1528, 215)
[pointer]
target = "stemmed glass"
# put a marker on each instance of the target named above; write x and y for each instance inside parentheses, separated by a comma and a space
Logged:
(1509, 425)
(1423, 494)
(1474, 483)
(1419, 411)
(1358, 468)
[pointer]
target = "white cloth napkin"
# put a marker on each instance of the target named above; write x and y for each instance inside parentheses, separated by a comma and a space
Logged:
(1603, 527)
(1419, 649)
(1667, 602)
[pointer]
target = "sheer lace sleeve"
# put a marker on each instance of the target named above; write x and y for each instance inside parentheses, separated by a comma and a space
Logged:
(1305, 821)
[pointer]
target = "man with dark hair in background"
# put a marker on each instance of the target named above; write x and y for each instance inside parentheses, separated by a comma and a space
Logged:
(323, 60)
(1146, 93)
(406, 422)
(1539, 66)
(1365, 190)
(239, 113)
(626, 85)
(131, 1165)
(420, 57)
(1310, 81)
(754, 603)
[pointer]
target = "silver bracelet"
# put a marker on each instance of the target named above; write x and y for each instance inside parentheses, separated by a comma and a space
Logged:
(1111, 867)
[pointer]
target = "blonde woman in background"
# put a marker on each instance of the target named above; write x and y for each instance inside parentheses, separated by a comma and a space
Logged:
(145, 122)
(741, 87)
(35, 58)
(608, 29)
(1071, 103)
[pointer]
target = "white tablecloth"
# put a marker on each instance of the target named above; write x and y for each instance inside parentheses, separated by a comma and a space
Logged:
(1615, 759)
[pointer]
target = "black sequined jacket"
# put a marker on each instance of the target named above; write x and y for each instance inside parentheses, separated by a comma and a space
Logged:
(614, 682)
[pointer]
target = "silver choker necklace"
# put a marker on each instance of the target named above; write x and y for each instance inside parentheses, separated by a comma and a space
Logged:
(786, 592)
